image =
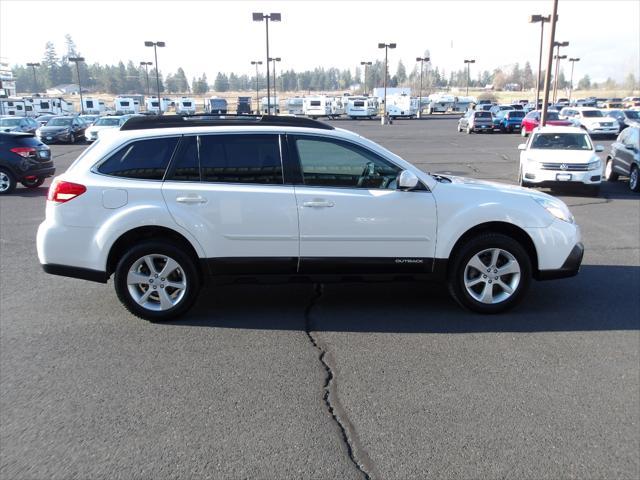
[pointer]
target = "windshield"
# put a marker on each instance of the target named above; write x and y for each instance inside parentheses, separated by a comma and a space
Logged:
(108, 122)
(516, 114)
(9, 122)
(561, 141)
(59, 122)
(633, 114)
(483, 114)
(552, 116)
(592, 113)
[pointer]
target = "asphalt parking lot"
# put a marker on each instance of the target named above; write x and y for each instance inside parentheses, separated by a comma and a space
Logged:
(337, 381)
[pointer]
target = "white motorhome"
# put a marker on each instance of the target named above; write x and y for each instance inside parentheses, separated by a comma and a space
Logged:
(317, 106)
(358, 107)
(93, 106)
(462, 104)
(337, 106)
(295, 106)
(440, 103)
(402, 106)
(185, 106)
(218, 105)
(46, 105)
(13, 106)
(152, 105)
(274, 102)
(125, 106)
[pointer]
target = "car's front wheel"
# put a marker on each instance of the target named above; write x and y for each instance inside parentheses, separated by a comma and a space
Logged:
(156, 281)
(609, 174)
(490, 273)
(634, 179)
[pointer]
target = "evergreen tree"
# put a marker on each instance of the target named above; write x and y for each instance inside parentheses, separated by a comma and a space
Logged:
(182, 85)
(584, 83)
(528, 79)
(401, 73)
(221, 83)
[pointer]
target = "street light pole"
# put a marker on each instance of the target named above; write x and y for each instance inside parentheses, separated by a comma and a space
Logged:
(365, 74)
(77, 60)
(421, 60)
(573, 63)
(146, 69)
(542, 20)
(256, 63)
(155, 52)
(35, 82)
(468, 62)
(558, 57)
(274, 17)
(275, 96)
(386, 47)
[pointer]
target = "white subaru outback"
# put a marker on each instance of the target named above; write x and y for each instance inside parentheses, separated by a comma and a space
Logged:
(165, 203)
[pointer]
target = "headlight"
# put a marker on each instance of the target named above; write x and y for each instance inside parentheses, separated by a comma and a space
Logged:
(595, 164)
(556, 208)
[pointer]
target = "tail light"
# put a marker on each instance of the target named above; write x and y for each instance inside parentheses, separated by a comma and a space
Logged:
(61, 191)
(25, 152)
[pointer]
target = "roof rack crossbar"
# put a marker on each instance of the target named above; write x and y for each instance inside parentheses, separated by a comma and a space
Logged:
(207, 120)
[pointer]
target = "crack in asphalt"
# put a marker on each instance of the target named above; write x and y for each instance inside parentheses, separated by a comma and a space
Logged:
(357, 454)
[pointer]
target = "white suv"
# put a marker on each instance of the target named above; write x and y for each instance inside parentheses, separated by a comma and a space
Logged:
(593, 120)
(165, 203)
(560, 156)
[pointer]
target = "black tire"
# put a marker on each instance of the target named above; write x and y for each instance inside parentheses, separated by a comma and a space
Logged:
(33, 183)
(72, 138)
(482, 246)
(7, 182)
(186, 270)
(469, 130)
(609, 174)
(634, 179)
(521, 180)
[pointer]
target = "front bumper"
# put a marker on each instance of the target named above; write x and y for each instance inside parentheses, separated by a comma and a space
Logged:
(569, 268)
(55, 137)
(539, 176)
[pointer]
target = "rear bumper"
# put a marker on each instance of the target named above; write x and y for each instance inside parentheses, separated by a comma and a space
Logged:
(569, 268)
(39, 172)
(76, 272)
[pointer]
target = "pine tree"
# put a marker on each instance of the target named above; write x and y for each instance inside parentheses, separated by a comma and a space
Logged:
(401, 73)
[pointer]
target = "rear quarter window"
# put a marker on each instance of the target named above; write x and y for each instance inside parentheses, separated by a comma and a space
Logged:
(142, 159)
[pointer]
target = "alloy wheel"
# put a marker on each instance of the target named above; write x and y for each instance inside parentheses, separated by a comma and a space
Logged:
(492, 276)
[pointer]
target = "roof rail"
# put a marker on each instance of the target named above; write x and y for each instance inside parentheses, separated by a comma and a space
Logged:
(207, 120)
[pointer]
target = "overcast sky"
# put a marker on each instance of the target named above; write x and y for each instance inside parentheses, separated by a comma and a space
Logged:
(212, 36)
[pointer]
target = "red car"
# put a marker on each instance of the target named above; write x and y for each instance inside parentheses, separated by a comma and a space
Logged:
(532, 119)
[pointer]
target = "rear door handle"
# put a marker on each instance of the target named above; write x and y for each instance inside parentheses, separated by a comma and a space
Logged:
(191, 199)
(318, 204)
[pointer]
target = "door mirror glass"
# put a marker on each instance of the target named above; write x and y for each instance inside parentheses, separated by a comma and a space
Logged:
(407, 180)
(599, 148)
(522, 146)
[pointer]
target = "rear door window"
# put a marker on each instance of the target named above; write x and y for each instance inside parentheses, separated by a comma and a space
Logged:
(241, 159)
(143, 159)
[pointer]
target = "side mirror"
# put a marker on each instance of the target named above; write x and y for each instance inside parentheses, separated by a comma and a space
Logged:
(522, 146)
(599, 148)
(407, 181)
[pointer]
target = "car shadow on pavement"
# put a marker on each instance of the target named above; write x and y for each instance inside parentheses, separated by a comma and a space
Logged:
(30, 192)
(601, 297)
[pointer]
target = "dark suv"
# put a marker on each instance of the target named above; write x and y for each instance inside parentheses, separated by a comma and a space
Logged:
(624, 158)
(24, 159)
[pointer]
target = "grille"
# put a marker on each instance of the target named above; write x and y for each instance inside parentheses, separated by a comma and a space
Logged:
(570, 167)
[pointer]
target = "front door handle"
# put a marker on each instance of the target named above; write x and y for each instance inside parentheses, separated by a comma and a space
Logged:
(318, 204)
(191, 199)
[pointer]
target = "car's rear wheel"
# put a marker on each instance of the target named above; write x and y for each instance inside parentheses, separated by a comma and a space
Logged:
(609, 174)
(634, 179)
(32, 182)
(156, 281)
(469, 129)
(490, 273)
(7, 182)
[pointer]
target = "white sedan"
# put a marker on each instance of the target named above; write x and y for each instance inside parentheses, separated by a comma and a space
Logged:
(103, 123)
(560, 155)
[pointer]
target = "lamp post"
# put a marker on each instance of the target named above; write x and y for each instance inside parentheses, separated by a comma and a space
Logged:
(35, 83)
(146, 69)
(155, 52)
(386, 47)
(573, 64)
(365, 74)
(468, 62)
(77, 60)
(274, 17)
(421, 60)
(558, 57)
(542, 20)
(274, 60)
(256, 63)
